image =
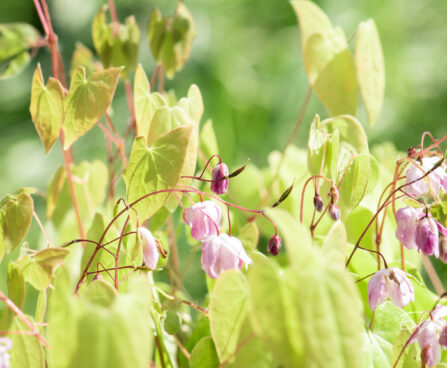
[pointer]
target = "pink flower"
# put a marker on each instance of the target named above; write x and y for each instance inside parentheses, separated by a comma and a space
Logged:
(150, 250)
(428, 335)
(221, 253)
(204, 218)
(219, 185)
(427, 237)
(390, 283)
(438, 178)
(406, 219)
(5, 346)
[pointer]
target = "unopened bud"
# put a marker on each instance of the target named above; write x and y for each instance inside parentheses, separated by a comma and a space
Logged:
(318, 203)
(219, 176)
(334, 212)
(98, 276)
(333, 193)
(274, 245)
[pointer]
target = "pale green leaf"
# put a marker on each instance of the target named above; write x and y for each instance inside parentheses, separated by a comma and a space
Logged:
(47, 108)
(193, 103)
(207, 140)
(87, 100)
(312, 20)
(26, 350)
(249, 235)
(336, 85)
(145, 102)
(54, 189)
(204, 354)
(82, 56)
(335, 242)
(376, 351)
(227, 311)
(155, 168)
(370, 68)
(15, 41)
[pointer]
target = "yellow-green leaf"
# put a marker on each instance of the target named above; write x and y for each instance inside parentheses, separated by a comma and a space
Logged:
(47, 108)
(370, 68)
(155, 168)
(87, 100)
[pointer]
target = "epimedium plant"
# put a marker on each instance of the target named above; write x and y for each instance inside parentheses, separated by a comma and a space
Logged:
(358, 229)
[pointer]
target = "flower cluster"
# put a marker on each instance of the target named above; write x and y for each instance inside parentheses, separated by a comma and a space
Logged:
(431, 336)
(220, 252)
(390, 283)
(415, 229)
(432, 183)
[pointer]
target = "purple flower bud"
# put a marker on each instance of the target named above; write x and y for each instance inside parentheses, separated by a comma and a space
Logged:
(407, 219)
(318, 203)
(333, 193)
(204, 218)
(443, 337)
(438, 178)
(219, 185)
(221, 253)
(150, 251)
(274, 245)
(427, 236)
(390, 283)
(431, 335)
(334, 212)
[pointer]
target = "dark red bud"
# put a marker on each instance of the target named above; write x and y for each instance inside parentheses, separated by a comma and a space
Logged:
(274, 245)
(334, 212)
(219, 184)
(318, 203)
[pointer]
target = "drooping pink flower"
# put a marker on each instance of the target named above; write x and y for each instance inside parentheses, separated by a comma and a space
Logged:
(5, 346)
(429, 336)
(204, 218)
(150, 250)
(390, 283)
(427, 236)
(221, 253)
(334, 212)
(438, 178)
(407, 219)
(219, 185)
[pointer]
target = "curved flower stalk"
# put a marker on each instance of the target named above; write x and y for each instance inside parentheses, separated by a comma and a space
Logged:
(221, 253)
(436, 180)
(390, 283)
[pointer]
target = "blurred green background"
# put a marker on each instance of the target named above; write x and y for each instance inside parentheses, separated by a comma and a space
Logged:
(248, 64)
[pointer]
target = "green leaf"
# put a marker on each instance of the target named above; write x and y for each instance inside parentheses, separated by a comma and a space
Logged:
(26, 350)
(376, 351)
(16, 285)
(207, 140)
(227, 311)
(90, 182)
(335, 242)
(370, 68)
(155, 168)
(355, 181)
(273, 315)
(172, 322)
(145, 102)
(38, 269)
(16, 214)
(312, 20)
(15, 41)
(47, 108)
(249, 235)
(411, 358)
(193, 103)
(170, 38)
(204, 354)
(116, 44)
(87, 100)
(100, 292)
(82, 56)
(336, 85)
